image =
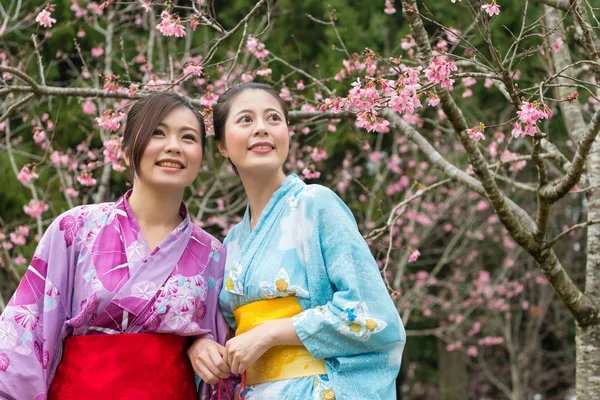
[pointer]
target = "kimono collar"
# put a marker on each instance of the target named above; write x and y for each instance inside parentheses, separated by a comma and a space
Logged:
(290, 187)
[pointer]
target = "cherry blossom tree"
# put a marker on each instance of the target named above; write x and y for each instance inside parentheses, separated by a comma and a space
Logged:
(471, 209)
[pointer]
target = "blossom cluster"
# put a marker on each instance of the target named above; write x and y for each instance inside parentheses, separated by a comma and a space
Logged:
(170, 25)
(256, 47)
(110, 120)
(113, 152)
(529, 115)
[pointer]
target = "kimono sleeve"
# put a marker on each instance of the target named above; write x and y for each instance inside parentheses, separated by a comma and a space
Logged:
(360, 317)
(221, 331)
(31, 326)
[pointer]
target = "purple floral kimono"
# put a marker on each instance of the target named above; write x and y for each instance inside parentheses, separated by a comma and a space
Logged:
(94, 274)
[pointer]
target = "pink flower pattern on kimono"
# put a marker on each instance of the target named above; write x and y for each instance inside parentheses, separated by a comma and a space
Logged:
(34, 285)
(109, 258)
(70, 225)
(190, 263)
(27, 316)
(152, 323)
(184, 300)
(41, 355)
(200, 310)
(88, 307)
(8, 335)
(4, 361)
(144, 290)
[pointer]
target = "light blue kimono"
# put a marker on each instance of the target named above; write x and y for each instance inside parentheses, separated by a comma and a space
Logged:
(306, 244)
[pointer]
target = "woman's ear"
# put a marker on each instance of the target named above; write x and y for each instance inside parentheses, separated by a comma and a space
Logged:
(222, 148)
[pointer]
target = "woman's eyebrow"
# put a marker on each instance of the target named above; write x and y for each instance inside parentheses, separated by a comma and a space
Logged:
(245, 110)
(183, 128)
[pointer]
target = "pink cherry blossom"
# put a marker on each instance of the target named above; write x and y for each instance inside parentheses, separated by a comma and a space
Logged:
(194, 21)
(476, 133)
(192, 69)
(438, 72)
(257, 48)
(86, 179)
(27, 174)
(285, 94)
(308, 174)
(472, 351)
(264, 72)
(414, 255)
(557, 45)
(110, 120)
(113, 152)
(490, 341)
(71, 192)
(17, 239)
(529, 115)
(389, 7)
(492, 9)
(434, 100)
(89, 107)
(97, 51)
(44, 19)
(170, 25)
(59, 159)
(146, 5)
(35, 208)
(39, 136)
(20, 260)
(454, 346)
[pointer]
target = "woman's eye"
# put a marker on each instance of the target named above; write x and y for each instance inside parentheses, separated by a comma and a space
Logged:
(158, 133)
(274, 117)
(245, 119)
(190, 137)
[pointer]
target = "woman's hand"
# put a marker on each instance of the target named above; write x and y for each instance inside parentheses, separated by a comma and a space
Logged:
(206, 357)
(243, 350)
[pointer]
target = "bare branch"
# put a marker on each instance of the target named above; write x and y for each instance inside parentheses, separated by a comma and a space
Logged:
(571, 229)
(552, 192)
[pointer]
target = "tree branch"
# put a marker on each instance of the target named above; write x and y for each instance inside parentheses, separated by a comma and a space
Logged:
(552, 192)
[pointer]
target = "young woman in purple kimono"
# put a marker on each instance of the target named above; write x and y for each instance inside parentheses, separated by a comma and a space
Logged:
(115, 291)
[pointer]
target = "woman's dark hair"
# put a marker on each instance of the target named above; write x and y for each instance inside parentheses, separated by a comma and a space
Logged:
(221, 109)
(143, 118)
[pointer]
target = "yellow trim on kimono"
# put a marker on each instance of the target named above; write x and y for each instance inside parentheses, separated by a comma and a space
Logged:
(279, 362)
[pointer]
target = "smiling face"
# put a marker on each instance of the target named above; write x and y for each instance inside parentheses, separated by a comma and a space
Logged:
(256, 133)
(173, 156)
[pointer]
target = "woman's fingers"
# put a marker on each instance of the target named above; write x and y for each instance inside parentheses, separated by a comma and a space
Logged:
(206, 375)
(217, 365)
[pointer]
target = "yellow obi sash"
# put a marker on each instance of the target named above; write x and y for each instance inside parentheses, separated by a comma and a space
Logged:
(279, 362)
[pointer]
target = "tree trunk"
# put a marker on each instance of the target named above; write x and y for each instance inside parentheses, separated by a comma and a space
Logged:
(588, 337)
(452, 366)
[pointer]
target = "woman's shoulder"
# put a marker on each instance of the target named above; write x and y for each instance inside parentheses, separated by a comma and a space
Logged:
(319, 197)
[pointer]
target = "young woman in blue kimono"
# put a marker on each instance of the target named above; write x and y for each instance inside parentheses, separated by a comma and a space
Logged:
(115, 290)
(312, 315)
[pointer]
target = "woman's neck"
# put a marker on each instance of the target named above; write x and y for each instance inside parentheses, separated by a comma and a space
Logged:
(259, 190)
(155, 208)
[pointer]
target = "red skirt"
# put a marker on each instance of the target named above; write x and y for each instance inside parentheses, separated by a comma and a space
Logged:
(126, 367)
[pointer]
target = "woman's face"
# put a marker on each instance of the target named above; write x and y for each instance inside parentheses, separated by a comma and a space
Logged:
(256, 134)
(173, 156)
